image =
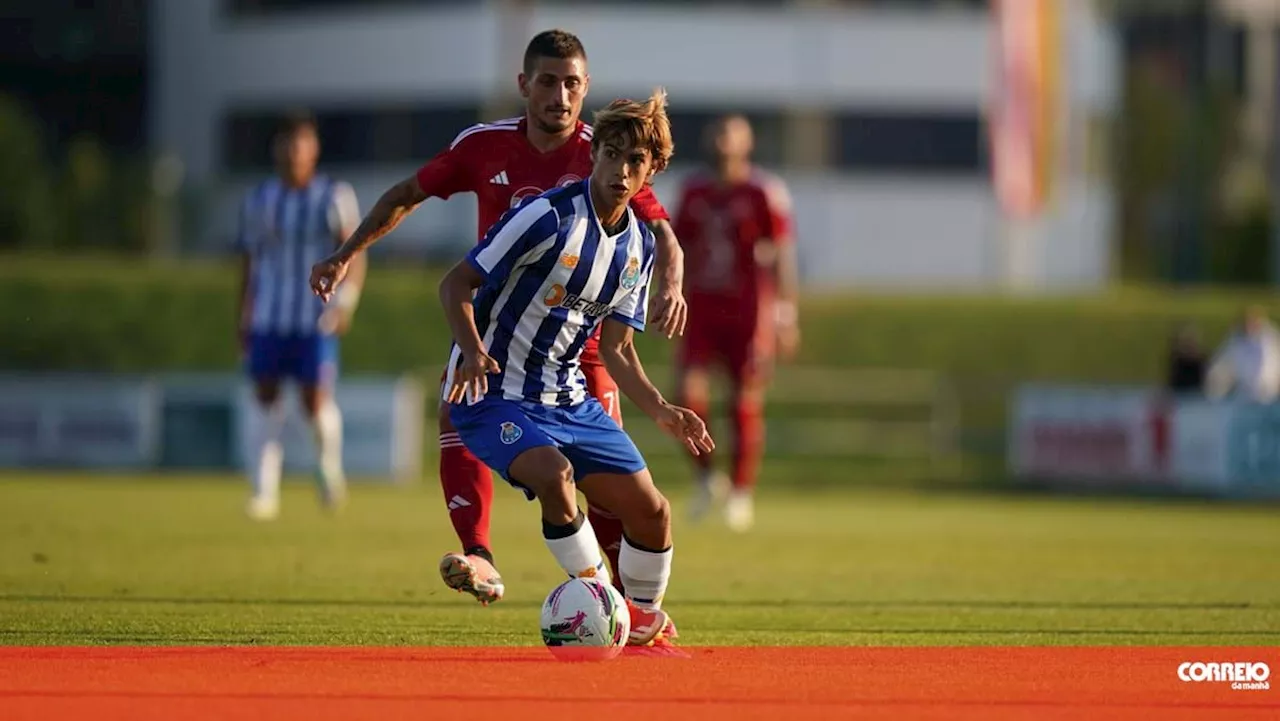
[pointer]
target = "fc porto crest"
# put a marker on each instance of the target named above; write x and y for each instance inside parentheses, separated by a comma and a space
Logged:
(631, 275)
(509, 432)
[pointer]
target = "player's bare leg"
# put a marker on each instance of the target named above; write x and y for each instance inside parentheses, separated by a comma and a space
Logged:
(608, 530)
(325, 417)
(468, 493)
(645, 562)
(711, 485)
(608, 527)
(266, 455)
(548, 475)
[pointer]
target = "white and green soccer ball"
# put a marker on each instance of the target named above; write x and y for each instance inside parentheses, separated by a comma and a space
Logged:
(585, 619)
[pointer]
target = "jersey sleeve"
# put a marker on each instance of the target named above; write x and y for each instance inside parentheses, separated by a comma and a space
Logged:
(449, 171)
(344, 210)
(521, 230)
(777, 209)
(631, 309)
(647, 207)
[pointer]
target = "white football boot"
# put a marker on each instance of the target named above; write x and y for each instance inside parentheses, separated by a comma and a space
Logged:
(739, 511)
(710, 491)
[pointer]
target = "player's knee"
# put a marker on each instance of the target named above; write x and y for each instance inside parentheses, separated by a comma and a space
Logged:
(546, 472)
(654, 512)
(267, 392)
(560, 475)
(312, 399)
(662, 512)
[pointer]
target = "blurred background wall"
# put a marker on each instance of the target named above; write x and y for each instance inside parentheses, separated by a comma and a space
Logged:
(873, 112)
(1165, 120)
(1106, 150)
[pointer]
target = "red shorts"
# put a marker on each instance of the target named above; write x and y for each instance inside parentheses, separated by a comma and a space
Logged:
(743, 350)
(601, 385)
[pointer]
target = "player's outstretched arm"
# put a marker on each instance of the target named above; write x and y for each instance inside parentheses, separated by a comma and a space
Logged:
(618, 352)
(456, 290)
(787, 281)
(669, 310)
(780, 251)
(391, 209)
(338, 316)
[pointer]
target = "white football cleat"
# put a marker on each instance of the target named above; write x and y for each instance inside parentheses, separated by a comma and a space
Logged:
(739, 511)
(472, 575)
(332, 487)
(712, 487)
(263, 508)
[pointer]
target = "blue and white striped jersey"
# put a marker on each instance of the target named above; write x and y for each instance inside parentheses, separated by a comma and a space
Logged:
(551, 276)
(285, 231)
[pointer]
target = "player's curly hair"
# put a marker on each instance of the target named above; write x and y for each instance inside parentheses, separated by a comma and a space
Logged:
(638, 124)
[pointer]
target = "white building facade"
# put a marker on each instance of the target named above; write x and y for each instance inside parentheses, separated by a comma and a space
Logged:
(875, 116)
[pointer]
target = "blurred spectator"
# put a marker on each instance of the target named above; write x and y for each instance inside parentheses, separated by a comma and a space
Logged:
(1186, 361)
(1248, 362)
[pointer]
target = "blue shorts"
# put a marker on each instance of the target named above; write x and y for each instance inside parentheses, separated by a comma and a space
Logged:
(497, 430)
(311, 360)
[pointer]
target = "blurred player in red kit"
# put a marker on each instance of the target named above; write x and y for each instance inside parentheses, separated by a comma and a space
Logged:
(503, 163)
(734, 223)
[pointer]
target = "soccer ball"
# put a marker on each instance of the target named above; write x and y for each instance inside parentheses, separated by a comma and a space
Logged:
(585, 619)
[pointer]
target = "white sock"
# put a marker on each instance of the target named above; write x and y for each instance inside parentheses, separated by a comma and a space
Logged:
(644, 574)
(268, 461)
(327, 426)
(579, 554)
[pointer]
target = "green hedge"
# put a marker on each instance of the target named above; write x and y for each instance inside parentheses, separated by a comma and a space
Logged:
(111, 315)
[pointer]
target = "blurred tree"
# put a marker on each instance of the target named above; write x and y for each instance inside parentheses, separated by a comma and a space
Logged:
(1153, 117)
(1186, 215)
(27, 215)
(105, 199)
(85, 192)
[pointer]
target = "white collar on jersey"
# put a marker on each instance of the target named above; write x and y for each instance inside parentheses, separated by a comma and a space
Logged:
(591, 208)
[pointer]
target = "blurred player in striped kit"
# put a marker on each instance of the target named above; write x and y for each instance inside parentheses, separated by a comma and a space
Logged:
(287, 223)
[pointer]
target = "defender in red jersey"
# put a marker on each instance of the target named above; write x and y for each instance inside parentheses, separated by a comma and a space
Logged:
(502, 163)
(735, 224)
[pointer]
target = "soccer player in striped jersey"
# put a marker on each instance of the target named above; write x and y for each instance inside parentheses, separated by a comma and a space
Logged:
(548, 274)
(287, 223)
(503, 163)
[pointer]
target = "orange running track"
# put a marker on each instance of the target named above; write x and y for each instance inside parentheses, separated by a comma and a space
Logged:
(423, 684)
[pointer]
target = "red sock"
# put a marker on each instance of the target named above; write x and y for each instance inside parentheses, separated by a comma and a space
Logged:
(748, 443)
(468, 492)
(609, 535)
(700, 406)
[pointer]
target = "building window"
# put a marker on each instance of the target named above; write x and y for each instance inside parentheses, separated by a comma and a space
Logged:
(272, 7)
(689, 125)
(350, 136)
(946, 143)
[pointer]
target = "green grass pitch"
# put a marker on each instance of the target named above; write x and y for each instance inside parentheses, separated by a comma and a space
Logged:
(171, 560)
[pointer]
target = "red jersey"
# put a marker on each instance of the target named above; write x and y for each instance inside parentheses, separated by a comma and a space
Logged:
(720, 228)
(497, 163)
